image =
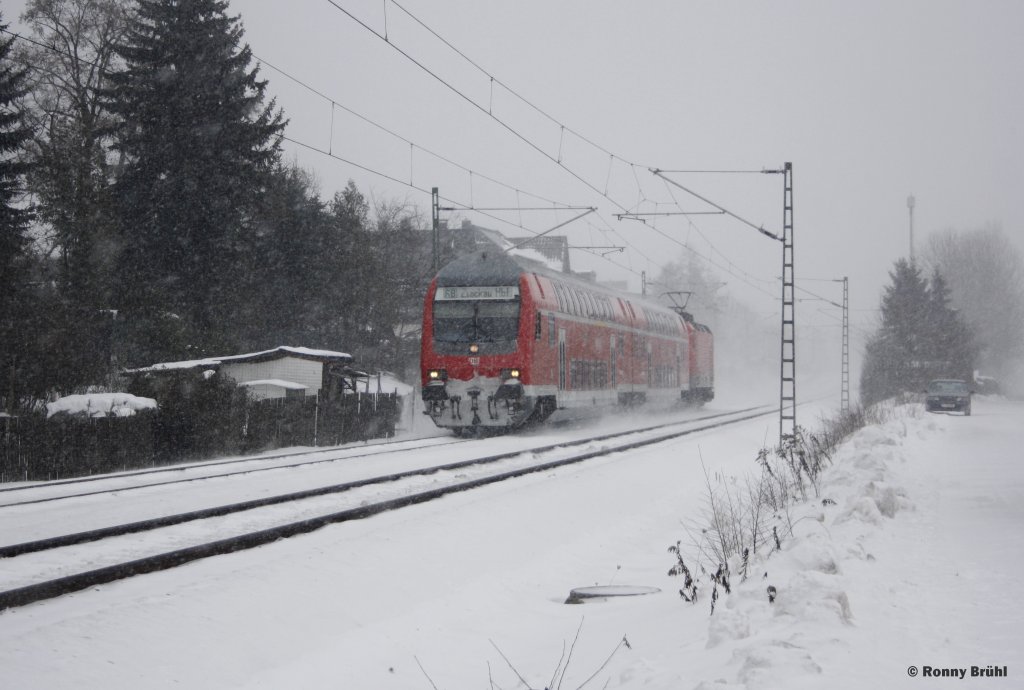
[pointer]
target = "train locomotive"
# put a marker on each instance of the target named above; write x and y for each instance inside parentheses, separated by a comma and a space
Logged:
(508, 341)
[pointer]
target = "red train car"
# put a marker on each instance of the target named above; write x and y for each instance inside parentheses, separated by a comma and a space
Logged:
(508, 341)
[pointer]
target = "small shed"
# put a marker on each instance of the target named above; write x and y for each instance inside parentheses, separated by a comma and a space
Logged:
(281, 372)
(300, 366)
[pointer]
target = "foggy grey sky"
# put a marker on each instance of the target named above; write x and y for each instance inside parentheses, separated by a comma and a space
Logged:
(871, 101)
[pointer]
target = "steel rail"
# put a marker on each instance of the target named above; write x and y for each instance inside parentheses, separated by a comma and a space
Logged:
(37, 545)
(199, 464)
(49, 589)
(121, 489)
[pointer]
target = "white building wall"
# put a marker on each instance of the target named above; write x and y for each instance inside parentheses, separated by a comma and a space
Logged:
(303, 371)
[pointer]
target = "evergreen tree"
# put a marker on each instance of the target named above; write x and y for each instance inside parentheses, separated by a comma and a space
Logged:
(953, 350)
(198, 143)
(921, 337)
(15, 295)
(894, 355)
(352, 292)
(292, 267)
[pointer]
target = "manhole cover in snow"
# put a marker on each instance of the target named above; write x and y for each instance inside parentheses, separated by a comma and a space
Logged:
(581, 594)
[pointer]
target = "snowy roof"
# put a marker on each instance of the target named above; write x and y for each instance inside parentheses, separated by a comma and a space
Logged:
(186, 364)
(284, 350)
(263, 355)
(101, 405)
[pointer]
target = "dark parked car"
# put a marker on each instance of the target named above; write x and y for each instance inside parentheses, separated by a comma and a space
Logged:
(948, 395)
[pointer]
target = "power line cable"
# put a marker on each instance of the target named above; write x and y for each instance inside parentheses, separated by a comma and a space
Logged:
(455, 202)
(708, 259)
(472, 102)
(469, 207)
(700, 232)
(489, 111)
(336, 104)
(509, 89)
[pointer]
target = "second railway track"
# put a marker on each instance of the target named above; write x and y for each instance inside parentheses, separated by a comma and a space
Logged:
(46, 568)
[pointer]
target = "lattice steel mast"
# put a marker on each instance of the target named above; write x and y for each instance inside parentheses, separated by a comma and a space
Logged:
(844, 404)
(787, 388)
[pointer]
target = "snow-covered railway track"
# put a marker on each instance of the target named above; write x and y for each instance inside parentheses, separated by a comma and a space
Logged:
(48, 568)
(143, 479)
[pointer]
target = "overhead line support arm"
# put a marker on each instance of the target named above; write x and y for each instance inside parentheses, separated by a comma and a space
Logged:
(759, 228)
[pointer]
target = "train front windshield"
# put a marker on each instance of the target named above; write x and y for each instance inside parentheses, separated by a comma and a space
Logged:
(483, 322)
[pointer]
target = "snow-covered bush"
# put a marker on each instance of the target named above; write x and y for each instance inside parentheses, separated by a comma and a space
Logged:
(741, 518)
(100, 405)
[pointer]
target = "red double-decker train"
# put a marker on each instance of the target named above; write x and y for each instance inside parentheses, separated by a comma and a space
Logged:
(508, 341)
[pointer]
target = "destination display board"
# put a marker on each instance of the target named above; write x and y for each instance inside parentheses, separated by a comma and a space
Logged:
(482, 292)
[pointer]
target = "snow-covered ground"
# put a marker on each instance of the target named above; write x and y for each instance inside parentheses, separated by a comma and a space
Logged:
(913, 565)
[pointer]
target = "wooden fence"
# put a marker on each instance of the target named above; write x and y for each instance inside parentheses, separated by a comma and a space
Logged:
(33, 448)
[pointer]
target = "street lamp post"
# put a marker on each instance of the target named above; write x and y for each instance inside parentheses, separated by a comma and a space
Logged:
(910, 208)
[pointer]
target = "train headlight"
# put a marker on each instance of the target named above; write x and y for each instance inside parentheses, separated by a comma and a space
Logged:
(437, 375)
(474, 348)
(507, 374)
(434, 374)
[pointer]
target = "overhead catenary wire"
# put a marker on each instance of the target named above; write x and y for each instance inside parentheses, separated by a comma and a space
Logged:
(335, 103)
(457, 205)
(330, 153)
(642, 197)
(759, 228)
(508, 127)
(710, 244)
(489, 111)
(709, 260)
(460, 206)
(562, 126)
(555, 205)
(519, 135)
(494, 80)
(469, 207)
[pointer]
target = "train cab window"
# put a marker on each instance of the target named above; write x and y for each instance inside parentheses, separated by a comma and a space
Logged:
(484, 321)
(537, 327)
(551, 329)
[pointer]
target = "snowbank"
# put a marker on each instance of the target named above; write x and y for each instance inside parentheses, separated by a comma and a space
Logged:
(866, 595)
